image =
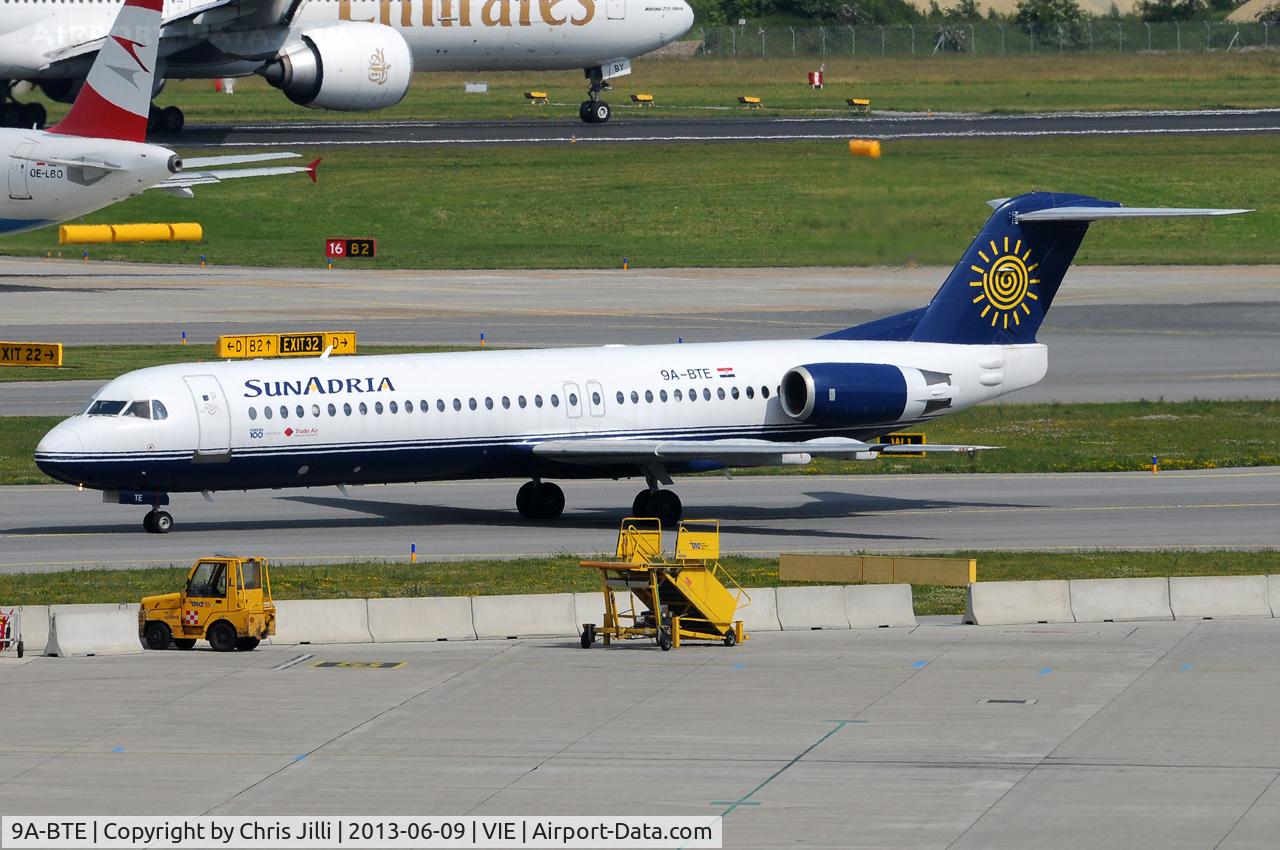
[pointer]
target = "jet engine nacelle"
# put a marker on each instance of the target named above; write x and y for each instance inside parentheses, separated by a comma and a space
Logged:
(853, 394)
(351, 66)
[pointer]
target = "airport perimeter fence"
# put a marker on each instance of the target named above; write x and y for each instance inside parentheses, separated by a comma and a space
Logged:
(983, 39)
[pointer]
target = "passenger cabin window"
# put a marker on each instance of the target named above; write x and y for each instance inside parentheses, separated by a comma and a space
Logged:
(346, 408)
(364, 409)
(158, 410)
(555, 400)
(506, 403)
(751, 392)
(537, 401)
(333, 411)
(488, 402)
(253, 414)
(648, 396)
(733, 391)
(395, 408)
(266, 411)
(106, 408)
(299, 412)
(621, 398)
(377, 407)
(284, 412)
(523, 402)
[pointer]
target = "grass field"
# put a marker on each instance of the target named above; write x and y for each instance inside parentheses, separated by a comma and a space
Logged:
(709, 86)
(562, 573)
(739, 205)
(1033, 437)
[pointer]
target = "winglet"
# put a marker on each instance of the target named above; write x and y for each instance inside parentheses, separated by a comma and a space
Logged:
(116, 98)
(312, 167)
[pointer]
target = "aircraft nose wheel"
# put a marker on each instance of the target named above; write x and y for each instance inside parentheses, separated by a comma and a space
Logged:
(157, 522)
(539, 500)
(594, 111)
(664, 505)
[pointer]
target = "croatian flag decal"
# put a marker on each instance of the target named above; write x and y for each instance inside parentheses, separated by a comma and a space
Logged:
(725, 371)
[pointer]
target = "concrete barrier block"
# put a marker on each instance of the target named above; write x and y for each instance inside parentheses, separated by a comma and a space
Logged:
(1006, 603)
(1214, 597)
(423, 618)
(762, 614)
(93, 630)
(802, 608)
(1273, 594)
(530, 615)
(870, 606)
(1100, 600)
(322, 621)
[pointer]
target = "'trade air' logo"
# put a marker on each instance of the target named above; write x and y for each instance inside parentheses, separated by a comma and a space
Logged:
(1006, 283)
(379, 67)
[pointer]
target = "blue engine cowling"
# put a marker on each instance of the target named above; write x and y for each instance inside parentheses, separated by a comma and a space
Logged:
(847, 394)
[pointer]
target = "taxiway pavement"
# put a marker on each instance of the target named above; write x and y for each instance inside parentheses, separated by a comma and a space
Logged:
(741, 128)
(1136, 735)
(49, 528)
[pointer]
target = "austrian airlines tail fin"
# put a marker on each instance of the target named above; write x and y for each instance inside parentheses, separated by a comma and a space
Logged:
(116, 97)
(1004, 284)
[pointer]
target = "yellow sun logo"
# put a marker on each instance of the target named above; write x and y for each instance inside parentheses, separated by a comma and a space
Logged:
(1006, 283)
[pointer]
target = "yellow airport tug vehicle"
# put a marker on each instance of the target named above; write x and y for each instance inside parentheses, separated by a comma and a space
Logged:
(227, 601)
(690, 598)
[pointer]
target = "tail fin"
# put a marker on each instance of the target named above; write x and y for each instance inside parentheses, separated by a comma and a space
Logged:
(1001, 289)
(116, 97)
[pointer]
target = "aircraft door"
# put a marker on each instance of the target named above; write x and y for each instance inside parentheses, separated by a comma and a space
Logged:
(572, 401)
(595, 398)
(616, 9)
(213, 418)
(18, 189)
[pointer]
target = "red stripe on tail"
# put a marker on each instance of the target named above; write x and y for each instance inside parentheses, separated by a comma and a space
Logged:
(93, 116)
(153, 5)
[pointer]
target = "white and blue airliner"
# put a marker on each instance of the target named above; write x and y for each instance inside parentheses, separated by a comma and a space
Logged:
(611, 412)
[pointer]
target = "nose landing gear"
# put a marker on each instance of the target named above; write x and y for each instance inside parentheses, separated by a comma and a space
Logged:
(594, 110)
(157, 522)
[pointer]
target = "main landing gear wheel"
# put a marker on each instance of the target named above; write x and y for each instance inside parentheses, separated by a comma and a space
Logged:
(663, 505)
(539, 500)
(24, 116)
(168, 120)
(158, 522)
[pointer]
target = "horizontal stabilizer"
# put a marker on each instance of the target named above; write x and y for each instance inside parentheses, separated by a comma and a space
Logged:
(235, 159)
(1102, 213)
(187, 179)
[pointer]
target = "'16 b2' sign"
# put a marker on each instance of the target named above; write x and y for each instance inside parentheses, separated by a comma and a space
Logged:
(336, 249)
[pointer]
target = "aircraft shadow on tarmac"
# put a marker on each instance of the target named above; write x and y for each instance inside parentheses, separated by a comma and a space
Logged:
(372, 513)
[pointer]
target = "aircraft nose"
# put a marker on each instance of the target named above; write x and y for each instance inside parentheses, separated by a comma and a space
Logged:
(684, 19)
(63, 438)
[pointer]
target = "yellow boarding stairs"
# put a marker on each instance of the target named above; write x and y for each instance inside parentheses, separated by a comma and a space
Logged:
(690, 598)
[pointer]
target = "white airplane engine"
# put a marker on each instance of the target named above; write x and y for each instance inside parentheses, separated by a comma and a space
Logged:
(862, 393)
(352, 66)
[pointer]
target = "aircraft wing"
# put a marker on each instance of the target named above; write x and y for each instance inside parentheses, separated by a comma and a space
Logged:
(181, 183)
(211, 15)
(728, 452)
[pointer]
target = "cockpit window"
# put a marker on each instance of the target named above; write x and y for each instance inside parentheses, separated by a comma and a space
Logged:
(158, 410)
(140, 409)
(106, 408)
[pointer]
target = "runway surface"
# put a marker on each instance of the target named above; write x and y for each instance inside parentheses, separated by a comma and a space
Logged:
(1139, 735)
(47, 528)
(690, 128)
(1115, 333)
